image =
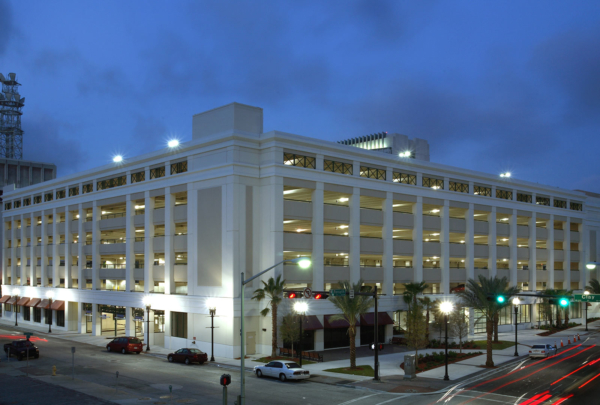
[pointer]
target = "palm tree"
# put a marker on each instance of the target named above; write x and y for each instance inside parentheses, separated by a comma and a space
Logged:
(412, 290)
(273, 291)
(593, 287)
(426, 302)
(352, 309)
(477, 295)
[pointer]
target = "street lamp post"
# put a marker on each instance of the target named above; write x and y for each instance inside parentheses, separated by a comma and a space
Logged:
(213, 311)
(300, 308)
(304, 263)
(586, 309)
(148, 303)
(446, 307)
(515, 302)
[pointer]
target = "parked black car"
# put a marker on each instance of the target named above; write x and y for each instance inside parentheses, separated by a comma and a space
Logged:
(19, 348)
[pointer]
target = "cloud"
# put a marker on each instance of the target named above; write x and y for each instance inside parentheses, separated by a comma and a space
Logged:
(45, 140)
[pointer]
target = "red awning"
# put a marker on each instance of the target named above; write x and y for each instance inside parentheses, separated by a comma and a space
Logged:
(12, 300)
(337, 324)
(23, 301)
(58, 305)
(4, 299)
(44, 304)
(311, 322)
(32, 302)
(369, 319)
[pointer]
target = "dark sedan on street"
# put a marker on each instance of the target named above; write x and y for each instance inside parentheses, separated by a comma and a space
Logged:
(188, 356)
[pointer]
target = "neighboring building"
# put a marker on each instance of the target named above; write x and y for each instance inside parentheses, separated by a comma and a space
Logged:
(180, 224)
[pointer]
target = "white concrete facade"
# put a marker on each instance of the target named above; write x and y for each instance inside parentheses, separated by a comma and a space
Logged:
(182, 224)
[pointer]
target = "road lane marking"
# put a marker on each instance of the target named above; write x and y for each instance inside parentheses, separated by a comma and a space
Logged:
(357, 399)
(518, 399)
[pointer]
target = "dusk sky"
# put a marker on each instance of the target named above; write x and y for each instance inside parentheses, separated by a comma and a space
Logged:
(493, 86)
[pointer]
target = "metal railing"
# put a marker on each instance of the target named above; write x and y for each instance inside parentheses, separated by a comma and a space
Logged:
(112, 266)
(116, 215)
(111, 241)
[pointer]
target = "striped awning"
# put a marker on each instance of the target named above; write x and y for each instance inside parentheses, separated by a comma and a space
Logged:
(337, 324)
(32, 302)
(311, 322)
(23, 301)
(12, 300)
(4, 299)
(369, 319)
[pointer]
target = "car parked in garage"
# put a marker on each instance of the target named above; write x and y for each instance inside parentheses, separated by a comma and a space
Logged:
(282, 369)
(125, 345)
(188, 356)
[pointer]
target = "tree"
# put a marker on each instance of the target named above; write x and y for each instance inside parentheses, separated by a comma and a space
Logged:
(481, 295)
(290, 329)
(426, 302)
(593, 287)
(273, 291)
(459, 325)
(351, 309)
(412, 290)
(496, 321)
(415, 336)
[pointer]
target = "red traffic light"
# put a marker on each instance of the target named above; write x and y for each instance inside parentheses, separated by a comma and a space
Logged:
(317, 296)
(225, 380)
(320, 296)
(380, 346)
(292, 295)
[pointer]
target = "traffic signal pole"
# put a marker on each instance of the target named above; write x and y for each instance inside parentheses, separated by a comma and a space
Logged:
(376, 373)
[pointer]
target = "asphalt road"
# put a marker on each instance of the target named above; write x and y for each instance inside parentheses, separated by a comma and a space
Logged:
(570, 376)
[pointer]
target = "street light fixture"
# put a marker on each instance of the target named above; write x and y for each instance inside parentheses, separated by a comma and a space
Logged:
(591, 265)
(300, 307)
(304, 263)
(516, 303)
(446, 307)
(16, 294)
(49, 311)
(212, 310)
(147, 300)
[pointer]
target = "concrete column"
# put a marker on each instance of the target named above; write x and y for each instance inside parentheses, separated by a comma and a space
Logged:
(471, 321)
(32, 255)
(44, 251)
(4, 256)
(445, 247)
(532, 252)
(81, 259)
(55, 255)
(319, 162)
(320, 335)
(318, 242)
(23, 252)
(68, 250)
(96, 321)
(149, 242)
(81, 316)
(567, 254)
(513, 246)
(169, 242)
(470, 241)
(417, 236)
(550, 247)
(167, 168)
(192, 239)
(388, 244)
(354, 235)
(96, 214)
(514, 197)
(129, 245)
(356, 168)
(129, 322)
(128, 177)
(584, 255)
(13, 253)
(493, 253)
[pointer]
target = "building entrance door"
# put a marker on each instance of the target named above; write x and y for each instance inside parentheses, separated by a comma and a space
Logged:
(250, 342)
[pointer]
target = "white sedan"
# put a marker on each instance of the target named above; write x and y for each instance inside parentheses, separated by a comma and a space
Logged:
(282, 369)
(542, 351)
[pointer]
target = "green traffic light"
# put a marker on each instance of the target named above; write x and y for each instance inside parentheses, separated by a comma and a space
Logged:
(563, 302)
(500, 299)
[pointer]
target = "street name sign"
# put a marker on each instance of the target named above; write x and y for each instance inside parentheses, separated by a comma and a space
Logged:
(337, 293)
(587, 297)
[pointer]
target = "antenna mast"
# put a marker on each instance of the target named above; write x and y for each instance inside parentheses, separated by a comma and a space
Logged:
(11, 134)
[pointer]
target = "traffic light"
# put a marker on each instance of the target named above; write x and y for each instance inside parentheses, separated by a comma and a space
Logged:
(225, 380)
(292, 294)
(500, 299)
(373, 346)
(563, 302)
(320, 295)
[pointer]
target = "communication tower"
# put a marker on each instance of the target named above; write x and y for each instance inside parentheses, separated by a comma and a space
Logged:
(11, 103)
